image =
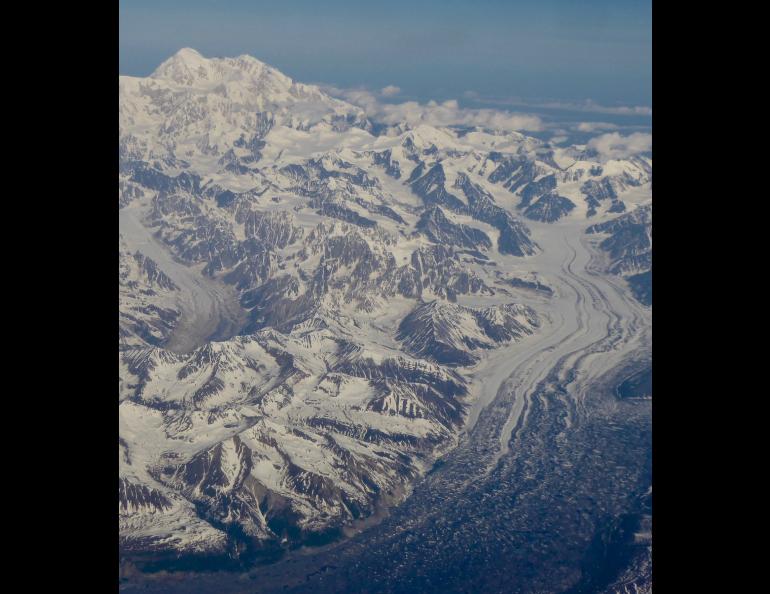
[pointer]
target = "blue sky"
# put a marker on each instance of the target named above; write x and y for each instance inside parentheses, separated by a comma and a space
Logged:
(528, 51)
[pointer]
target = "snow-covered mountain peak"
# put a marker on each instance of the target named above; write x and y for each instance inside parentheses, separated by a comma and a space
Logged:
(242, 78)
(186, 67)
(200, 108)
(423, 135)
(186, 55)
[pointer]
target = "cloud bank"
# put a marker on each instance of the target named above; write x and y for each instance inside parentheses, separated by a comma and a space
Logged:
(390, 90)
(595, 126)
(433, 113)
(615, 146)
(587, 106)
(610, 145)
(449, 113)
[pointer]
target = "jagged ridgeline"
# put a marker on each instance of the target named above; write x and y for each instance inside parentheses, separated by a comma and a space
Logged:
(629, 248)
(306, 295)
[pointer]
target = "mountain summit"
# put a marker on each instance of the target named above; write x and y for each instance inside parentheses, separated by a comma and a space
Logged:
(188, 67)
(204, 105)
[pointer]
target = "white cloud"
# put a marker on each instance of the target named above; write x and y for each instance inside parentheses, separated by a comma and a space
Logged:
(591, 106)
(390, 90)
(595, 126)
(588, 105)
(615, 146)
(447, 113)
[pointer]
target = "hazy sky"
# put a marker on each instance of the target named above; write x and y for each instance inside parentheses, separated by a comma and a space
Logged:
(535, 50)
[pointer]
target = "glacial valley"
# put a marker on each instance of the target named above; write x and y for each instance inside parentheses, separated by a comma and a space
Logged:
(339, 337)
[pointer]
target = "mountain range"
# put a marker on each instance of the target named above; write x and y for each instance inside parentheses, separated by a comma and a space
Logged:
(309, 298)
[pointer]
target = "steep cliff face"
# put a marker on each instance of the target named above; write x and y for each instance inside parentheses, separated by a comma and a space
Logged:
(628, 244)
